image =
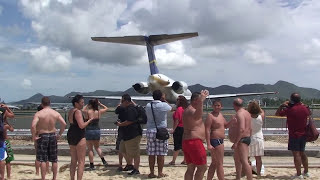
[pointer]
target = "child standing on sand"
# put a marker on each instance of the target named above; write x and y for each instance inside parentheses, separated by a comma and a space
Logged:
(9, 151)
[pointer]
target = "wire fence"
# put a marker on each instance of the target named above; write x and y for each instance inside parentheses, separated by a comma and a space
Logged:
(274, 127)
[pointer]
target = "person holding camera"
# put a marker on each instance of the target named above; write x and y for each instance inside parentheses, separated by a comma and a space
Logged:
(297, 115)
(132, 133)
(157, 119)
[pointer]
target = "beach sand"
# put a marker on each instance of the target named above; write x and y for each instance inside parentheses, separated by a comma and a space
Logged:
(275, 168)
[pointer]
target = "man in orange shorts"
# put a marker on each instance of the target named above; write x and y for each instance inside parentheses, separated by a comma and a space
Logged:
(193, 136)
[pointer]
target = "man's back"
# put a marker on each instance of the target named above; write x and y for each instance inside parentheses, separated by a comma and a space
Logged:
(245, 115)
(47, 120)
(193, 126)
(297, 120)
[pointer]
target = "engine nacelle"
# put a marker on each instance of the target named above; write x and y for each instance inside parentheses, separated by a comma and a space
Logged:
(141, 87)
(179, 87)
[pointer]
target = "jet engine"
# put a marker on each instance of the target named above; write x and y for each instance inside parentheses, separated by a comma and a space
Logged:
(141, 87)
(179, 87)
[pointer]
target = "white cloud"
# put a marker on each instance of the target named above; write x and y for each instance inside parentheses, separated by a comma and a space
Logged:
(51, 60)
(233, 35)
(26, 84)
(174, 56)
(257, 55)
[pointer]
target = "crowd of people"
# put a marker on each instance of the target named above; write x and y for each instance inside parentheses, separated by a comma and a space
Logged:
(189, 133)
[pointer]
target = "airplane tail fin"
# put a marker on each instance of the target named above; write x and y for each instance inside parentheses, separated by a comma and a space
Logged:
(149, 41)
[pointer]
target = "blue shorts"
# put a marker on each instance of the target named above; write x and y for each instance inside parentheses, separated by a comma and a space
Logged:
(216, 142)
(3, 153)
(297, 144)
(93, 134)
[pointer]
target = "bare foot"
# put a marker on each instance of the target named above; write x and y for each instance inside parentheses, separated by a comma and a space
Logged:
(161, 175)
(151, 176)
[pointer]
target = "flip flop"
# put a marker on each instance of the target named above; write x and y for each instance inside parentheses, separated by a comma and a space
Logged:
(163, 175)
(152, 176)
(172, 163)
(183, 162)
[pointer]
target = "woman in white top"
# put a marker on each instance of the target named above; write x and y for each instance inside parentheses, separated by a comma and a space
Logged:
(256, 148)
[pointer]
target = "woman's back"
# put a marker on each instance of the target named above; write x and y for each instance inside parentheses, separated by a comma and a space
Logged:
(95, 115)
(256, 125)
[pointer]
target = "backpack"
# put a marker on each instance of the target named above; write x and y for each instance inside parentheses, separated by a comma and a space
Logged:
(142, 116)
(312, 133)
(2, 111)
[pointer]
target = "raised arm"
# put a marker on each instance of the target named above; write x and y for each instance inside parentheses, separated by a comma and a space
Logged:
(8, 113)
(79, 119)
(103, 109)
(199, 107)
(280, 110)
(208, 125)
(8, 127)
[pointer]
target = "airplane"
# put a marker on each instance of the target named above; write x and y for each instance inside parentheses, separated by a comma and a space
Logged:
(13, 107)
(157, 81)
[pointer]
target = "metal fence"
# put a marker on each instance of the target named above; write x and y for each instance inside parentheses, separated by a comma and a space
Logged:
(274, 127)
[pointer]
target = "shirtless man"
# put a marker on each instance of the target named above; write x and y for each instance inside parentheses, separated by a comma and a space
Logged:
(242, 139)
(43, 125)
(193, 136)
(215, 126)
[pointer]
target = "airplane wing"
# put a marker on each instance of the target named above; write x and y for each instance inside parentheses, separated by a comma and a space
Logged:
(141, 40)
(13, 107)
(138, 98)
(234, 95)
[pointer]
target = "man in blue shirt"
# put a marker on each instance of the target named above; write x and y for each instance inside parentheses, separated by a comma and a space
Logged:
(156, 147)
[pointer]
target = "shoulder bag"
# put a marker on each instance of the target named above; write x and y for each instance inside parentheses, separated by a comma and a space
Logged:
(162, 133)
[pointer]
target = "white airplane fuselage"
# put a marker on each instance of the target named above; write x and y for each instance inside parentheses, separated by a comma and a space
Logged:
(164, 84)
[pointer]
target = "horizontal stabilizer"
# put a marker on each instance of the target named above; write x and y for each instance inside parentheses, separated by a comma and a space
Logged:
(133, 40)
(141, 40)
(167, 38)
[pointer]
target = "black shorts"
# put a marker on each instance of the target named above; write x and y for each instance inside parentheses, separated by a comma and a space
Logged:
(47, 148)
(177, 138)
(297, 144)
(119, 138)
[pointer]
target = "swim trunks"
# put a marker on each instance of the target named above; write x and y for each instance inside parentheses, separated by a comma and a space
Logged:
(3, 153)
(246, 140)
(9, 152)
(297, 144)
(216, 142)
(47, 148)
(75, 133)
(194, 151)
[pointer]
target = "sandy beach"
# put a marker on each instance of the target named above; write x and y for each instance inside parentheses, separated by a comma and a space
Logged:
(275, 168)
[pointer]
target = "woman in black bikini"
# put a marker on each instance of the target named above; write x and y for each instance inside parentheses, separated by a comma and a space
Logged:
(75, 136)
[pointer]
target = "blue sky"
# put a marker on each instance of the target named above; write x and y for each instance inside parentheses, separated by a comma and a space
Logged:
(45, 46)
